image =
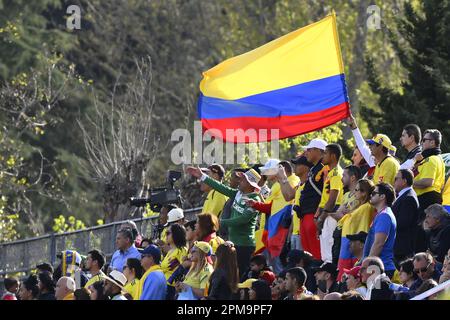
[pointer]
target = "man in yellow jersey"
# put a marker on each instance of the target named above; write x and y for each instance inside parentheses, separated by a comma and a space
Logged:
(332, 193)
(301, 169)
(215, 201)
(429, 178)
(386, 165)
(377, 154)
(94, 263)
(430, 171)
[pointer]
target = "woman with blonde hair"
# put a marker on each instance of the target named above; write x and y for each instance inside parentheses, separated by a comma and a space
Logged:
(195, 283)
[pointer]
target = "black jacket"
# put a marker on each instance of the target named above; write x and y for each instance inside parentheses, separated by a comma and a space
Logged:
(406, 211)
(439, 241)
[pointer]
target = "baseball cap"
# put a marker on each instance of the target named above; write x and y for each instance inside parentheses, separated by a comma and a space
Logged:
(353, 271)
(316, 143)
(174, 215)
(383, 140)
(117, 277)
(247, 284)
(327, 267)
(301, 159)
(360, 236)
(270, 168)
(268, 276)
(204, 246)
(215, 168)
(152, 250)
(251, 176)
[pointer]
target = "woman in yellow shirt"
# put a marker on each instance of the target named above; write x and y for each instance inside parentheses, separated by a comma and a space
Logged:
(133, 271)
(354, 222)
(197, 278)
(176, 239)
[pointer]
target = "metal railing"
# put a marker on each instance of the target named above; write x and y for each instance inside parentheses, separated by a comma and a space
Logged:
(24, 255)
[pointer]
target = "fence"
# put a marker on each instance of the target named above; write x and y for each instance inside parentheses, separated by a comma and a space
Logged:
(23, 255)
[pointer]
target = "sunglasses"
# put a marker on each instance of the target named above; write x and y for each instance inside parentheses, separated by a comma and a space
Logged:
(422, 270)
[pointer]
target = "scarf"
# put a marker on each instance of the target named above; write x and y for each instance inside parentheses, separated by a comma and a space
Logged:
(146, 274)
(431, 152)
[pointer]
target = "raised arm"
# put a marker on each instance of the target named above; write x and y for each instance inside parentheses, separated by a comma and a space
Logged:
(216, 185)
(286, 189)
(360, 142)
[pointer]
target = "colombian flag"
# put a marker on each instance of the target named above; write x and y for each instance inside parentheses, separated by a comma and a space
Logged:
(295, 84)
(276, 230)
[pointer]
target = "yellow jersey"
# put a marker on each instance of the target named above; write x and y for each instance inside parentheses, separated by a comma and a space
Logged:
(432, 167)
(333, 181)
(351, 203)
(169, 264)
(386, 170)
(446, 196)
(133, 288)
(199, 280)
(358, 220)
(214, 203)
(295, 218)
(99, 276)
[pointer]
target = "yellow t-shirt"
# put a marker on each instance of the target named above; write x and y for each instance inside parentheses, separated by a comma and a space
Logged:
(277, 199)
(163, 235)
(350, 203)
(432, 167)
(214, 203)
(94, 279)
(386, 170)
(199, 280)
(358, 220)
(333, 181)
(133, 288)
(446, 196)
(168, 264)
(295, 218)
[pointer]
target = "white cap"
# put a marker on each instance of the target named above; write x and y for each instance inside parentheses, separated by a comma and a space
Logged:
(175, 215)
(270, 168)
(316, 143)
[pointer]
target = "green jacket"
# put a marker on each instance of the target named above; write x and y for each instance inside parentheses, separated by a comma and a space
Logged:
(242, 222)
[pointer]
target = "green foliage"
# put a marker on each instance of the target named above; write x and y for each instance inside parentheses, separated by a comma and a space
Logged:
(183, 39)
(8, 223)
(62, 225)
(423, 97)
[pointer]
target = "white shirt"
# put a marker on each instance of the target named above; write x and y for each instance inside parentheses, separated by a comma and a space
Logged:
(363, 148)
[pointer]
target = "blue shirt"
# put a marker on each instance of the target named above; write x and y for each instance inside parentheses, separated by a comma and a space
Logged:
(155, 287)
(384, 222)
(119, 258)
